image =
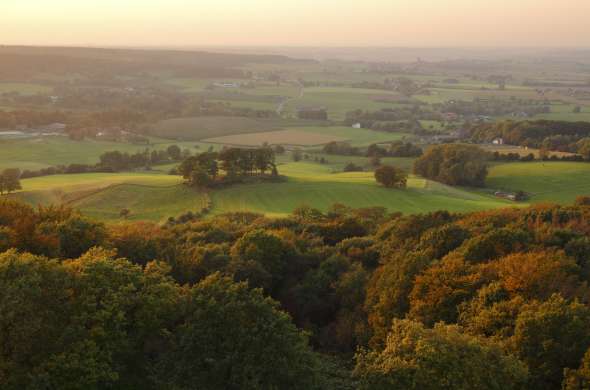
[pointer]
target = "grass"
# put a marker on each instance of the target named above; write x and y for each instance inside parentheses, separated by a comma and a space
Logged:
(559, 182)
(156, 196)
(144, 202)
(149, 196)
(315, 185)
(198, 128)
(339, 101)
(41, 152)
(279, 137)
(24, 88)
(356, 137)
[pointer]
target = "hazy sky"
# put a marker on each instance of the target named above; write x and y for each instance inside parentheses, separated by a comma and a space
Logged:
(296, 22)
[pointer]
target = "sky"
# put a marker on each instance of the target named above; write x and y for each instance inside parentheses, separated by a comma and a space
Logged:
(339, 23)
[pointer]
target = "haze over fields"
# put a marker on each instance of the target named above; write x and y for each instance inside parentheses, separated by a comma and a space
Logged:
(184, 23)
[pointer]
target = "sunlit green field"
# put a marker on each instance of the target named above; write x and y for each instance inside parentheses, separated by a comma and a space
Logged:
(156, 195)
(546, 181)
(314, 185)
(149, 196)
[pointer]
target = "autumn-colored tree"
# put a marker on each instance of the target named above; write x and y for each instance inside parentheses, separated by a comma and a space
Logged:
(578, 379)
(415, 357)
(439, 291)
(538, 275)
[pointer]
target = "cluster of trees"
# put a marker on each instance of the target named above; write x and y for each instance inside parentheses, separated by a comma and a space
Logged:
(319, 114)
(341, 148)
(561, 136)
(10, 180)
(544, 155)
(454, 164)
(487, 300)
(405, 86)
(115, 161)
(394, 149)
(392, 119)
(29, 118)
(120, 161)
(237, 165)
(390, 176)
(494, 107)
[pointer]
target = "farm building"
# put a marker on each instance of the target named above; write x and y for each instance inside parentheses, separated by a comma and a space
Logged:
(505, 195)
(356, 126)
(498, 141)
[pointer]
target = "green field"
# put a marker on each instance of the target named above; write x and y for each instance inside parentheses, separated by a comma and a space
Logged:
(24, 88)
(149, 196)
(557, 182)
(356, 137)
(42, 152)
(144, 202)
(339, 101)
(156, 196)
(197, 128)
(314, 185)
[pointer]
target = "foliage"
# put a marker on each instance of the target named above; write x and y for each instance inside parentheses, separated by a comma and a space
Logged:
(415, 357)
(390, 176)
(453, 165)
(10, 181)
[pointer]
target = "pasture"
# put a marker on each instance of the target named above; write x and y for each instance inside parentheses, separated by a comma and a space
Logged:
(280, 137)
(339, 100)
(356, 137)
(198, 128)
(41, 152)
(149, 196)
(559, 182)
(314, 185)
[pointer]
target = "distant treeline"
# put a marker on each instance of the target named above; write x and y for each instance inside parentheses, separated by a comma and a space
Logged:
(392, 149)
(114, 161)
(494, 107)
(573, 137)
(28, 62)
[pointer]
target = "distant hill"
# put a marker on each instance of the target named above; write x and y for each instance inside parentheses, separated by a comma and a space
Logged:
(27, 61)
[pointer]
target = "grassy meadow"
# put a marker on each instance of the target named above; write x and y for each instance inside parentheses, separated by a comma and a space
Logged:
(149, 196)
(315, 185)
(559, 182)
(42, 152)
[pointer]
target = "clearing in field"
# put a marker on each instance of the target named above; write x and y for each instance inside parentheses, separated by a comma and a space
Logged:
(281, 137)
